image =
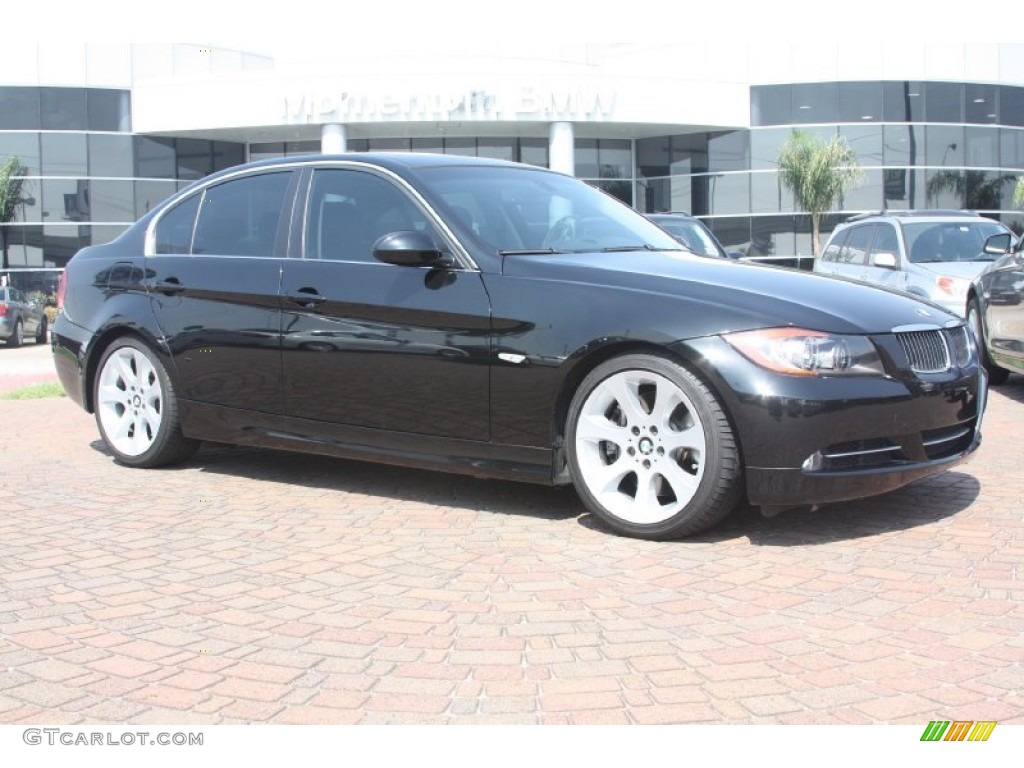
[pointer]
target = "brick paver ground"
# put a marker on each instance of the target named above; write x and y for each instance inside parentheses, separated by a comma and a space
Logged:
(258, 586)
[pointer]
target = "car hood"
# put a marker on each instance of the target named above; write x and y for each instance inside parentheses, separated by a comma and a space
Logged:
(738, 295)
(967, 270)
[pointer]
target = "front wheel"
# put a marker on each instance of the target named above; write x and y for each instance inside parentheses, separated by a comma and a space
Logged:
(41, 331)
(651, 450)
(996, 375)
(136, 407)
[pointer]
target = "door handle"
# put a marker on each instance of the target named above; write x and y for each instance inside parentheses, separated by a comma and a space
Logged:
(306, 297)
(169, 286)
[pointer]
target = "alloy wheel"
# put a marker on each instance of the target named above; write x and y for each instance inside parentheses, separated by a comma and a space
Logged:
(640, 446)
(129, 401)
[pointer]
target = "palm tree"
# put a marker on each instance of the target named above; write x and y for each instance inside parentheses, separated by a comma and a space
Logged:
(1018, 193)
(976, 190)
(817, 173)
(12, 185)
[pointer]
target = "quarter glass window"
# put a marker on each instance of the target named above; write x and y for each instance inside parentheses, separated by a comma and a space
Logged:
(174, 232)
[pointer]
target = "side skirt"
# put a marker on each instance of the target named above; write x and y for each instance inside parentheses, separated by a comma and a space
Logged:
(468, 457)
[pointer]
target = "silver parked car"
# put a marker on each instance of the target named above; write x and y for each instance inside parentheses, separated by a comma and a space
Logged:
(20, 317)
(932, 254)
(995, 309)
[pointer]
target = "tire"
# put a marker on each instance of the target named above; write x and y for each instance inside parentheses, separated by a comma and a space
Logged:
(651, 451)
(41, 332)
(17, 337)
(996, 375)
(136, 407)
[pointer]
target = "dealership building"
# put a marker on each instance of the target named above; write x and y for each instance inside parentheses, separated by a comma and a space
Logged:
(104, 132)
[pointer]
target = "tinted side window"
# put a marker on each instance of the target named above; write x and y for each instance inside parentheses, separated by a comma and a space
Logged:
(240, 217)
(857, 245)
(174, 231)
(885, 242)
(349, 210)
(834, 246)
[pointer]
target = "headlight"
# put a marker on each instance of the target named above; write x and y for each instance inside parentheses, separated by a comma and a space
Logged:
(799, 352)
(964, 345)
(953, 286)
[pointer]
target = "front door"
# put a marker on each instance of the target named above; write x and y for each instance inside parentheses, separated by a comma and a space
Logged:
(368, 344)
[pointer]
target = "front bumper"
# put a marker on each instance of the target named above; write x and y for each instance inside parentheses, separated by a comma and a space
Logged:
(816, 440)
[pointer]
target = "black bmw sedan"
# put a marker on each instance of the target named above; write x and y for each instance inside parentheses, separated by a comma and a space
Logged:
(505, 321)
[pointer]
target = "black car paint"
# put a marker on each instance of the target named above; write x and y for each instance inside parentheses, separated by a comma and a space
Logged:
(317, 377)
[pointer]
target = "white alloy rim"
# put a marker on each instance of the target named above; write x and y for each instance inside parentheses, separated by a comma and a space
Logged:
(129, 401)
(640, 446)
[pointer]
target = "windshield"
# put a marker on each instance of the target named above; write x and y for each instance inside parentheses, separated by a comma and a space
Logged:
(520, 211)
(694, 236)
(950, 241)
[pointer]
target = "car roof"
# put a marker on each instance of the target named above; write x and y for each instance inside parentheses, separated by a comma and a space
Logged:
(935, 214)
(390, 160)
(670, 215)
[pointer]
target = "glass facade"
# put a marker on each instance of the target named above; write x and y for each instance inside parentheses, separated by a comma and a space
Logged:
(920, 144)
(85, 176)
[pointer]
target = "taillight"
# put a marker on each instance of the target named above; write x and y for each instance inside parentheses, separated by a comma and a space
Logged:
(3, 310)
(62, 285)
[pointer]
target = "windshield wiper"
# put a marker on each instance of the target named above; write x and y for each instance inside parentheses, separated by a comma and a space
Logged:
(527, 251)
(641, 247)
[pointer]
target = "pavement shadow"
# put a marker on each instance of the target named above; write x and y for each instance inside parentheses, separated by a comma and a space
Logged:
(921, 503)
(381, 480)
(1013, 389)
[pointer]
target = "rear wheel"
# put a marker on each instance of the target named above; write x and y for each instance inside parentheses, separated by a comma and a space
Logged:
(996, 375)
(651, 450)
(41, 332)
(17, 338)
(136, 407)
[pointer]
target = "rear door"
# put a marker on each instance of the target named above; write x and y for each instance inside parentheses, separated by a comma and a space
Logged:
(852, 258)
(29, 315)
(826, 262)
(214, 281)
(375, 345)
(883, 265)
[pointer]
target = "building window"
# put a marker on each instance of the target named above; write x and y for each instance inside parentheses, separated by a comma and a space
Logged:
(62, 109)
(109, 110)
(943, 102)
(19, 109)
(154, 158)
(64, 154)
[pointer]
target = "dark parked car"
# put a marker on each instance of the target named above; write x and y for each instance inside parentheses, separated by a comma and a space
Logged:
(691, 232)
(995, 311)
(502, 320)
(20, 317)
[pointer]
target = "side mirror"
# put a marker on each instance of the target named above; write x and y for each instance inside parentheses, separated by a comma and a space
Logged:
(410, 248)
(997, 245)
(884, 259)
